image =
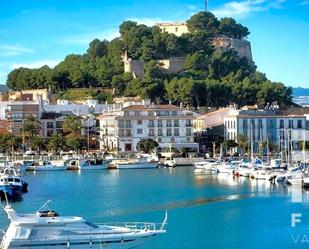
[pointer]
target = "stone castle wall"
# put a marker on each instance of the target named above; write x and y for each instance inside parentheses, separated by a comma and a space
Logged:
(242, 47)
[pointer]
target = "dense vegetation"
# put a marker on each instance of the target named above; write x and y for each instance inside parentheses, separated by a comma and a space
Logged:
(210, 78)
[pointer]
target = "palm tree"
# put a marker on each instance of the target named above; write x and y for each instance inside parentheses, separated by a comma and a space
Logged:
(56, 142)
(31, 126)
(243, 143)
(72, 126)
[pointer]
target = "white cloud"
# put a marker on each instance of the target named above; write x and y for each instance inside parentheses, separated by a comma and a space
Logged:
(14, 50)
(241, 9)
(35, 64)
(85, 39)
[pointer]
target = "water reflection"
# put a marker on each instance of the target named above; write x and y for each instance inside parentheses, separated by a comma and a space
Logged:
(175, 205)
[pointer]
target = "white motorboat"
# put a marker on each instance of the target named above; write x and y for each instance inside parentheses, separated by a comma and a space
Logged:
(49, 166)
(296, 178)
(141, 163)
(228, 167)
(182, 161)
(46, 165)
(210, 165)
(46, 229)
(96, 164)
(306, 182)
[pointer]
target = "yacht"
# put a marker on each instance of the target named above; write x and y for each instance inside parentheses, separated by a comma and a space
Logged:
(47, 229)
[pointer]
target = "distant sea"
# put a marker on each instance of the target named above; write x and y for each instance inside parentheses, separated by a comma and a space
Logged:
(301, 96)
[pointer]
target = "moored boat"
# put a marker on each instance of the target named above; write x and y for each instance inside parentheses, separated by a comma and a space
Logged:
(140, 163)
(47, 229)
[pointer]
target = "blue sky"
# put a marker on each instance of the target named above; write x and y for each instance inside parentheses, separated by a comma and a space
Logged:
(38, 32)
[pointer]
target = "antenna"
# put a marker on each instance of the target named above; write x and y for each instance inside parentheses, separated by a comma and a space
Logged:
(206, 5)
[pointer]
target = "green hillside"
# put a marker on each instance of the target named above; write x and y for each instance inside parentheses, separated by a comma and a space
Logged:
(210, 77)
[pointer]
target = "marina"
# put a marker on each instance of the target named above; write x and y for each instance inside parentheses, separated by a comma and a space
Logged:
(214, 206)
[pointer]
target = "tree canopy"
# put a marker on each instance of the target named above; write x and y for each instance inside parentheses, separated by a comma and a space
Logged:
(210, 77)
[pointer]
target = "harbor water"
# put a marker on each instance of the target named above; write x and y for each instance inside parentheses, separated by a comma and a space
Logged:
(204, 210)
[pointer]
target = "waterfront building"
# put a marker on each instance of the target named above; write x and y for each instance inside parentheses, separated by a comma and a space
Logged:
(281, 127)
(17, 111)
(169, 125)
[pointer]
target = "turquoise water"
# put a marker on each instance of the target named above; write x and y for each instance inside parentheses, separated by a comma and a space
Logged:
(205, 211)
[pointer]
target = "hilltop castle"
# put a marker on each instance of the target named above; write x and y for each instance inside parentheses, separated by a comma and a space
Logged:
(175, 65)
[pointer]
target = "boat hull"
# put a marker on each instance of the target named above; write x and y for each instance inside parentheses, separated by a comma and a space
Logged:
(12, 192)
(145, 165)
(50, 168)
(94, 167)
(125, 243)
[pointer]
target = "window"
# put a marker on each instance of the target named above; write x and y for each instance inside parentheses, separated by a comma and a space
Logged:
(128, 133)
(159, 123)
(271, 124)
(168, 123)
(176, 29)
(151, 132)
(299, 124)
(139, 131)
(188, 123)
(282, 135)
(281, 124)
(49, 133)
(176, 132)
(260, 124)
(128, 147)
(291, 124)
(166, 113)
(174, 113)
(128, 123)
(126, 114)
(151, 123)
(160, 132)
(139, 122)
(253, 124)
(121, 123)
(136, 113)
(245, 124)
(168, 132)
(50, 125)
(150, 113)
(121, 133)
(176, 123)
(188, 132)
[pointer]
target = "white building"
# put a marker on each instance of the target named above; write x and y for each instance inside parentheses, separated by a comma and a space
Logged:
(258, 125)
(82, 109)
(169, 125)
